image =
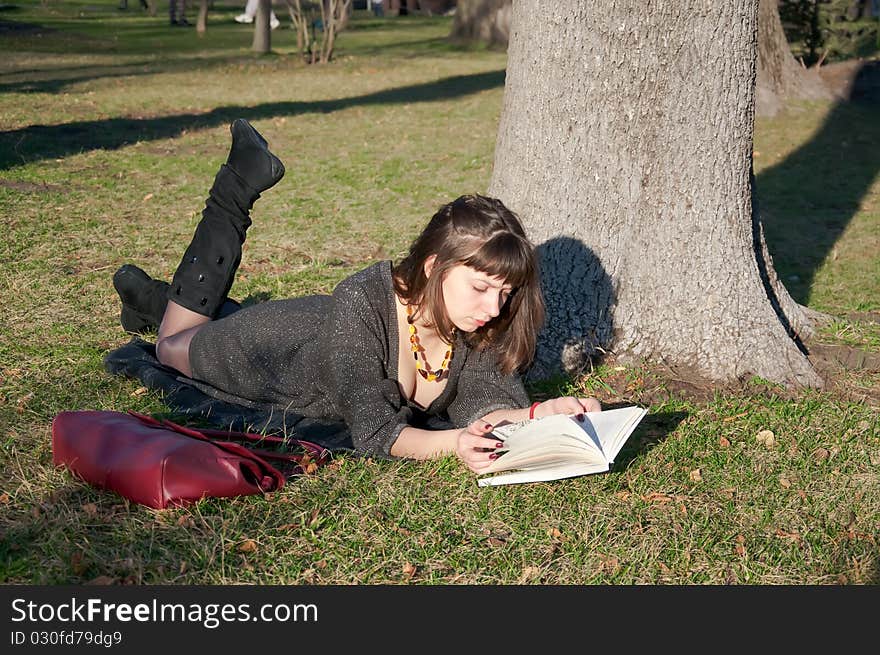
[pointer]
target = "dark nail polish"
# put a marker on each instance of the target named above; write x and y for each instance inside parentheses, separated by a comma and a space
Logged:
(487, 427)
(493, 456)
(580, 417)
(500, 444)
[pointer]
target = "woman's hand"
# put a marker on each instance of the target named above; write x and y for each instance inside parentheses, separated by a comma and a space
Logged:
(474, 448)
(567, 405)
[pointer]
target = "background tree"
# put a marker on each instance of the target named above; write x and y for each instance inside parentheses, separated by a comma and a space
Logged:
(262, 31)
(202, 20)
(486, 21)
(625, 143)
(780, 76)
(317, 25)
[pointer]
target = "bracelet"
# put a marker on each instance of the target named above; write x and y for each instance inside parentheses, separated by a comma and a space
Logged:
(532, 409)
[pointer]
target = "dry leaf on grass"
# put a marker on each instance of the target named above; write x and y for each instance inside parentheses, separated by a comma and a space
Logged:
(766, 437)
(610, 563)
(247, 546)
(657, 497)
(555, 533)
(140, 391)
(495, 541)
(23, 401)
(782, 534)
(528, 574)
(77, 563)
(784, 482)
(821, 453)
(102, 580)
(409, 570)
(4, 498)
(90, 508)
(724, 442)
(696, 475)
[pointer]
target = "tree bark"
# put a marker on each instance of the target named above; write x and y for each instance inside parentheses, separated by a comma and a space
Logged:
(486, 21)
(262, 32)
(202, 20)
(780, 76)
(625, 144)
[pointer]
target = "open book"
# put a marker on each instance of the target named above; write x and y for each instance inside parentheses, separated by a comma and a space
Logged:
(561, 446)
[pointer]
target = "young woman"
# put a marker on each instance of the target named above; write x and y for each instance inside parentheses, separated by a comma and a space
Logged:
(441, 336)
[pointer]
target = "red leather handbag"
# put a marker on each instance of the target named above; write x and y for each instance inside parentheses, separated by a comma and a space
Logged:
(162, 464)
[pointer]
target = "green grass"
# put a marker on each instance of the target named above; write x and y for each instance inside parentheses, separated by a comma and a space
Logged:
(112, 125)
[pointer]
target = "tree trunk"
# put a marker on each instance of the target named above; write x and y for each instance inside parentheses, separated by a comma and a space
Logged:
(780, 76)
(485, 21)
(262, 32)
(625, 145)
(202, 20)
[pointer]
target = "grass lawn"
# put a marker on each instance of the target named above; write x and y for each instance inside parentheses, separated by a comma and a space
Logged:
(112, 125)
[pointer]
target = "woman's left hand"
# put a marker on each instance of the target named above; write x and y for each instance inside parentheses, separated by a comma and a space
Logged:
(567, 405)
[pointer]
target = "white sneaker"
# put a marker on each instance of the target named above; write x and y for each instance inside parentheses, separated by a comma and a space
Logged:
(244, 18)
(274, 22)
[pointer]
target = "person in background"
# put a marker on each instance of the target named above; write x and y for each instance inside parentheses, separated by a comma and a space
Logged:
(123, 4)
(177, 13)
(377, 8)
(250, 13)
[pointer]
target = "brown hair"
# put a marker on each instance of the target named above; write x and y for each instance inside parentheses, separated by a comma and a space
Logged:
(482, 233)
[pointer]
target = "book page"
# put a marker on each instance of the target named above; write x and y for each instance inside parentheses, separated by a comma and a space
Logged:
(545, 441)
(543, 474)
(541, 456)
(613, 427)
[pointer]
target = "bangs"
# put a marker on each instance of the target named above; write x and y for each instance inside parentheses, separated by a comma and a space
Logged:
(507, 256)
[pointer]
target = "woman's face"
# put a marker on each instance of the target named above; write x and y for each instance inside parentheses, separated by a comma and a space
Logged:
(473, 298)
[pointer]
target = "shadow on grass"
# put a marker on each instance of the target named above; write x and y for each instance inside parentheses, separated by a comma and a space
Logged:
(59, 79)
(654, 429)
(808, 199)
(38, 142)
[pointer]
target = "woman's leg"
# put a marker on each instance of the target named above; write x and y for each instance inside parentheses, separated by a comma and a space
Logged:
(178, 327)
(205, 274)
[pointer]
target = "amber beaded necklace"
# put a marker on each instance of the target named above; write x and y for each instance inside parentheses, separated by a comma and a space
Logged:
(417, 350)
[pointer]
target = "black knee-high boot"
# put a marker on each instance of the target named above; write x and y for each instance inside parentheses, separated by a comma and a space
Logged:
(144, 300)
(208, 267)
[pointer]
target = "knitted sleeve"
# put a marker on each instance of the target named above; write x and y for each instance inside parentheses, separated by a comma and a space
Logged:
(369, 401)
(482, 388)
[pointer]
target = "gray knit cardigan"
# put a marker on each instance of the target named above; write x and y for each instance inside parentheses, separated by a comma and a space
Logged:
(335, 357)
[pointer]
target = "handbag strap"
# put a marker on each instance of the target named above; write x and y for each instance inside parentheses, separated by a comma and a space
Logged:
(318, 454)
